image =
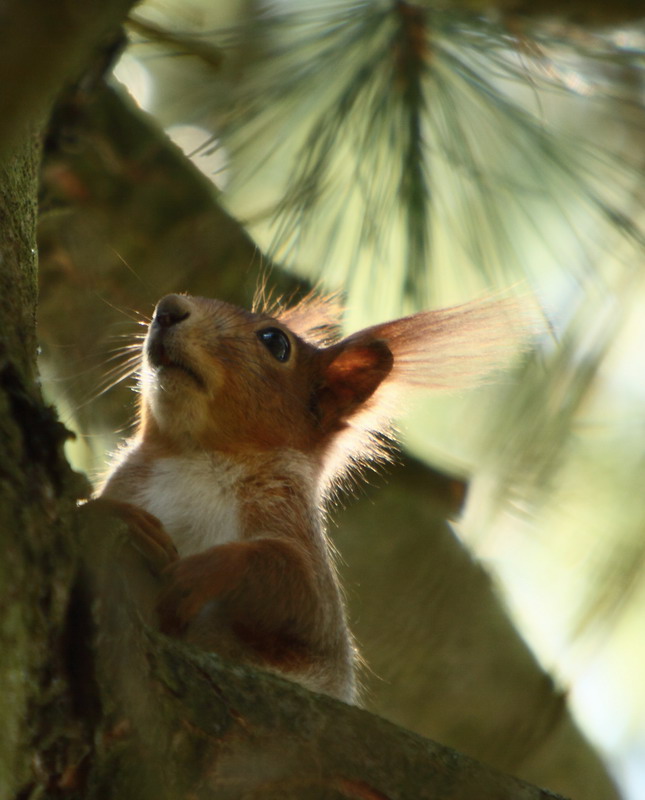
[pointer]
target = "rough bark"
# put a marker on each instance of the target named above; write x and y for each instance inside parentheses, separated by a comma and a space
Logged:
(36, 496)
(41, 45)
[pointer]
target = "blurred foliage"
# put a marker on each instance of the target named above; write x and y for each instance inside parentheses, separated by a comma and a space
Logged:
(370, 144)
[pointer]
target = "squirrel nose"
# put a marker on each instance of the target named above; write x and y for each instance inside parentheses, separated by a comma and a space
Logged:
(170, 310)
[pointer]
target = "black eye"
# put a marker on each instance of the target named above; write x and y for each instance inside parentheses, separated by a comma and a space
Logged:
(276, 342)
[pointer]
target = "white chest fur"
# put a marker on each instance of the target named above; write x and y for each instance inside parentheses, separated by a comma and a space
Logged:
(195, 500)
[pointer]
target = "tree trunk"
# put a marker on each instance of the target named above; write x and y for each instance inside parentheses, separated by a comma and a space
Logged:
(41, 45)
(36, 497)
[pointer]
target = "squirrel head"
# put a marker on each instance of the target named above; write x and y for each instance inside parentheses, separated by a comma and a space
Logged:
(216, 377)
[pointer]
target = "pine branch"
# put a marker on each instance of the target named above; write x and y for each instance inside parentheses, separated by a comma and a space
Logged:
(415, 135)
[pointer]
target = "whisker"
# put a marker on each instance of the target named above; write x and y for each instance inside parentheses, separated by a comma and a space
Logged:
(130, 269)
(131, 313)
(120, 353)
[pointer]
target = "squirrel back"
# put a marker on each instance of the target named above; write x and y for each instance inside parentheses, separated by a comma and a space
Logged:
(247, 421)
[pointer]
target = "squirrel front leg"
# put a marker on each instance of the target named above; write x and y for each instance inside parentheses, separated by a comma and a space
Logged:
(147, 534)
(267, 593)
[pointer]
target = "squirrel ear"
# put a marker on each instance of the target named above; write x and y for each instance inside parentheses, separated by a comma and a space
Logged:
(355, 370)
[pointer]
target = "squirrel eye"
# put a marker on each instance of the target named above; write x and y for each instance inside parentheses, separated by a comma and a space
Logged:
(276, 342)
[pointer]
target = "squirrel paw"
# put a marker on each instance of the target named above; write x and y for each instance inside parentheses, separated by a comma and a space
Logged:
(196, 580)
(148, 535)
(180, 601)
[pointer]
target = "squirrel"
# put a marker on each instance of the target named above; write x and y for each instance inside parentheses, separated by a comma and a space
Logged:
(247, 421)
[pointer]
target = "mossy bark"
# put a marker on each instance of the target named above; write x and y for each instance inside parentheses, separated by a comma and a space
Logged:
(37, 491)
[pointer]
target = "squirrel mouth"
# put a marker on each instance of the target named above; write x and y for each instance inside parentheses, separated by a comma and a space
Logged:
(159, 358)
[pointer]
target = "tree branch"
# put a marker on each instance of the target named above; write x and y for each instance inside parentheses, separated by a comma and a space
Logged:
(43, 45)
(177, 722)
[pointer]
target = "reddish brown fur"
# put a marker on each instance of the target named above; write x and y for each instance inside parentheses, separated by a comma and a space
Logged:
(237, 449)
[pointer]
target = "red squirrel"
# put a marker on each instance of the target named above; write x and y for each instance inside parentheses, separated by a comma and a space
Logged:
(247, 422)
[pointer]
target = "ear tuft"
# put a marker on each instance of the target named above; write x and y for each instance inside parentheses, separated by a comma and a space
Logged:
(452, 349)
(316, 318)
(371, 373)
